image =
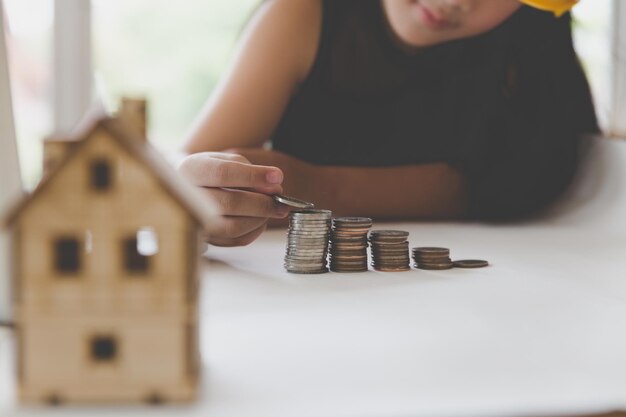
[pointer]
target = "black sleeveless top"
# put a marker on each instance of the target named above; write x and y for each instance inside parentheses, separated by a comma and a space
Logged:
(506, 107)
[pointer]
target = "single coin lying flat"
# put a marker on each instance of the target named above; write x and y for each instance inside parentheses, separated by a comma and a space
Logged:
(470, 263)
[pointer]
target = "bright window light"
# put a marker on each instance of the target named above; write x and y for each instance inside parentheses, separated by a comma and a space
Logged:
(147, 242)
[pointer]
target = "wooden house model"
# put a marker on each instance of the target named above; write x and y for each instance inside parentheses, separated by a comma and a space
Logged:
(105, 273)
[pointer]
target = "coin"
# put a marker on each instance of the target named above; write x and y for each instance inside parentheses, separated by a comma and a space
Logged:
(350, 252)
(293, 202)
(390, 250)
(312, 214)
(470, 263)
(298, 266)
(393, 269)
(311, 219)
(305, 270)
(345, 269)
(391, 234)
(312, 272)
(352, 222)
(431, 250)
(342, 258)
(434, 266)
(387, 258)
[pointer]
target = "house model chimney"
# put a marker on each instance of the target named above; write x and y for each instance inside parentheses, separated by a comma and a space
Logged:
(133, 113)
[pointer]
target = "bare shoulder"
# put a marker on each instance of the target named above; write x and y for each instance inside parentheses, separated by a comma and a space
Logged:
(274, 56)
(297, 23)
(302, 8)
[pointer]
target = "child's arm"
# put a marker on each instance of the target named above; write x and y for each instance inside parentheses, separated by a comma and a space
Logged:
(275, 54)
(424, 191)
(428, 191)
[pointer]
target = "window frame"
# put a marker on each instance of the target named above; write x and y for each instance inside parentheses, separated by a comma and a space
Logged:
(617, 118)
(11, 186)
(73, 67)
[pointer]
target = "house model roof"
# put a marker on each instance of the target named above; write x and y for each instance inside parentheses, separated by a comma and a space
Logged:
(199, 206)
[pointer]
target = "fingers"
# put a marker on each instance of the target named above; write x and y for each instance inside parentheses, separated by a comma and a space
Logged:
(229, 157)
(205, 170)
(238, 241)
(242, 192)
(246, 204)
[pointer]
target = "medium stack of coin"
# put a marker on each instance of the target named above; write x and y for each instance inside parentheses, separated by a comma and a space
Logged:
(432, 258)
(390, 250)
(348, 244)
(307, 241)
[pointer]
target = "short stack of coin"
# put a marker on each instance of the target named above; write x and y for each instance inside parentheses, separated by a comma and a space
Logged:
(432, 258)
(348, 244)
(390, 250)
(307, 241)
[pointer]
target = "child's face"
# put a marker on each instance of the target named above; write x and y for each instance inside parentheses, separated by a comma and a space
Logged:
(429, 22)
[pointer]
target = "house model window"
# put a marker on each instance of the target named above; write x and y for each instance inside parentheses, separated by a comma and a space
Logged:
(100, 174)
(139, 249)
(103, 348)
(134, 261)
(67, 255)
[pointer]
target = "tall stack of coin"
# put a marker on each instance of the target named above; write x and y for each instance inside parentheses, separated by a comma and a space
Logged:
(432, 258)
(390, 250)
(307, 241)
(348, 244)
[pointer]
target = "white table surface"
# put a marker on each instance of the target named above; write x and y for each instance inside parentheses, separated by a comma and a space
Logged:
(540, 332)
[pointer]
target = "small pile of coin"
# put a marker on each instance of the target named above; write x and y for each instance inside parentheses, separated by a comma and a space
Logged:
(432, 258)
(390, 250)
(348, 244)
(307, 241)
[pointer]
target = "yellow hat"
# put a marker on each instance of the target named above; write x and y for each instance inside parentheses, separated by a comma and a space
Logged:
(558, 7)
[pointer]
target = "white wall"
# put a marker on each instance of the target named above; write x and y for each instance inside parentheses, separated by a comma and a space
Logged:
(72, 62)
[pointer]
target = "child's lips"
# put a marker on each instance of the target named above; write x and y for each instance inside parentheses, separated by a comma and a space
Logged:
(431, 18)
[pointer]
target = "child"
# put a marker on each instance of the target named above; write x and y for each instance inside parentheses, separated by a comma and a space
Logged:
(460, 109)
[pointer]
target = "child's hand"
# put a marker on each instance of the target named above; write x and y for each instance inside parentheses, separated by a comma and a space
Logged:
(302, 180)
(242, 192)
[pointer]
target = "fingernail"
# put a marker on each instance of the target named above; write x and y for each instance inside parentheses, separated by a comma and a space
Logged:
(274, 177)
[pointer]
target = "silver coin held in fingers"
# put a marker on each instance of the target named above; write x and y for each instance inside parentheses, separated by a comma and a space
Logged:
(293, 202)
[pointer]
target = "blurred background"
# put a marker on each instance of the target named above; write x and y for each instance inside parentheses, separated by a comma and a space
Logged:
(174, 56)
